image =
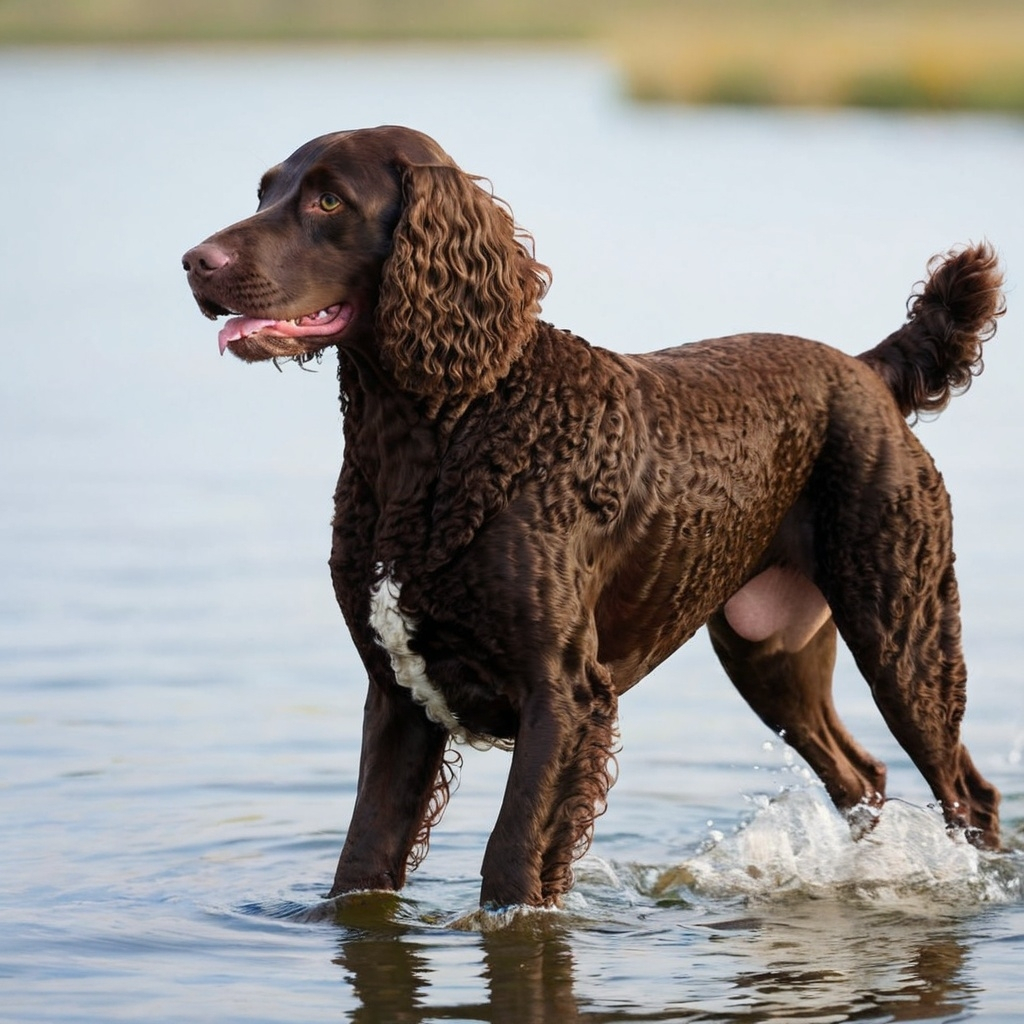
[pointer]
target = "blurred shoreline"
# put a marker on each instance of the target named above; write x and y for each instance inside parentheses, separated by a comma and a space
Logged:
(900, 54)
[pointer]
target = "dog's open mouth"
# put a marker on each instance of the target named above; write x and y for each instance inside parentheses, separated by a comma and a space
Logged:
(323, 323)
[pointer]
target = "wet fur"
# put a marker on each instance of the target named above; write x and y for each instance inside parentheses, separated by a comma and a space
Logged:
(556, 519)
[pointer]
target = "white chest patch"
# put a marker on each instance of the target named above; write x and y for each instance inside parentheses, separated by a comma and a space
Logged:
(394, 630)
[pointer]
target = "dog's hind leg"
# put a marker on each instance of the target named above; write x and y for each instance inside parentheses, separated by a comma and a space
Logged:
(791, 692)
(917, 675)
(885, 559)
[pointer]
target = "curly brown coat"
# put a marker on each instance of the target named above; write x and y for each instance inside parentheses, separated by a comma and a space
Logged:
(526, 525)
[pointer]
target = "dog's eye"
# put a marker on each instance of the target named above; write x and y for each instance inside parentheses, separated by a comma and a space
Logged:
(328, 202)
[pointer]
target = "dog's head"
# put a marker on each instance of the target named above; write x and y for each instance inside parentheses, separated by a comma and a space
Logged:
(375, 239)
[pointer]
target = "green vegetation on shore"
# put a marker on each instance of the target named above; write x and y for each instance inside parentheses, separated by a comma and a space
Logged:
(920, 54)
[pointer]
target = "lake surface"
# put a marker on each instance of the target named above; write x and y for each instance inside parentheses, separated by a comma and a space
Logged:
(180, 706)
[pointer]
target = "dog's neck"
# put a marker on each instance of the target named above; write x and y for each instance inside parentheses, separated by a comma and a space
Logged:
(366, 387)
(417, 469)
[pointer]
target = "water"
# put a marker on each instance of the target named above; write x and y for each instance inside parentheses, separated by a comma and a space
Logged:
(180, 710)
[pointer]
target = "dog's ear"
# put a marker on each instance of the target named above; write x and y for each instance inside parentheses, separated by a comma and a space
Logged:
(460, 291)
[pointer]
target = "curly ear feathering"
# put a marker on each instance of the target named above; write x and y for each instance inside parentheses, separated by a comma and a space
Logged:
(526, 525)
(460, 292)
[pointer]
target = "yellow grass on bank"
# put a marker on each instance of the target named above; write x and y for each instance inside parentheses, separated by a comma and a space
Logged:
(310, 21)
(883, 53)
(919, 55)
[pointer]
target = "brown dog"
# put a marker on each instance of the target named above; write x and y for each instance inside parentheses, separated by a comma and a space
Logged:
(526, 525)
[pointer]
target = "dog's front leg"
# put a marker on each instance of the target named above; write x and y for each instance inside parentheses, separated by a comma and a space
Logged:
(402, 786)
(557, 786)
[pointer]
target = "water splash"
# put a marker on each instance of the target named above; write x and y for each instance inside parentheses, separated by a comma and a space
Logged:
(797, 844)
(525, 919)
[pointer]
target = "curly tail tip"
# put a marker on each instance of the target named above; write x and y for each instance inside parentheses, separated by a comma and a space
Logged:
(937, 352)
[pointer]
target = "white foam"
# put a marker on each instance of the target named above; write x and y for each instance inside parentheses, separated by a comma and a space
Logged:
(797, 843)
(485, 920)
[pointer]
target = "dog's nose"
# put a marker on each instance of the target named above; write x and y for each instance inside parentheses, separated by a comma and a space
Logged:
(205, 259)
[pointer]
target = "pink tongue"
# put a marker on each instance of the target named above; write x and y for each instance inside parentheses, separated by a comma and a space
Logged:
(327, 321)
(238, 327)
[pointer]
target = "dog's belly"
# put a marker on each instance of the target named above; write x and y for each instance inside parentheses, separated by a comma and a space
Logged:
(666, 590)
(778, 603)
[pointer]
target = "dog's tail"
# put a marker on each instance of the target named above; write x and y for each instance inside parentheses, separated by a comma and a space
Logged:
(937, 352)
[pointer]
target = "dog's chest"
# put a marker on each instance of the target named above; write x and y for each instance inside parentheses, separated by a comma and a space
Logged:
(394, 630)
